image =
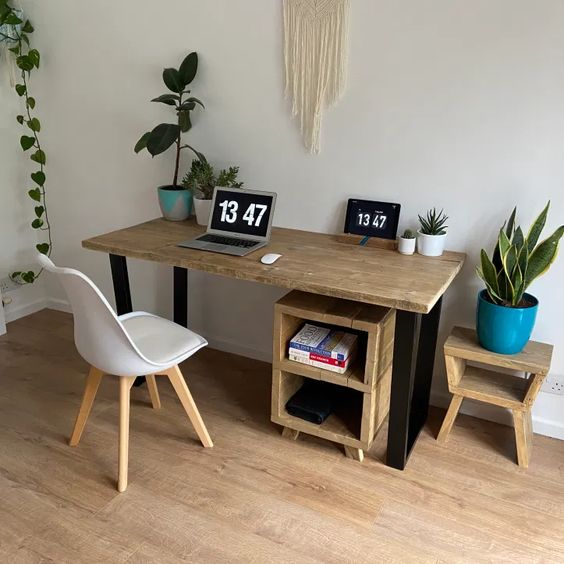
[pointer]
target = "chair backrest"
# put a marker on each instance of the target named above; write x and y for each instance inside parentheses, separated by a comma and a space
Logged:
(98, 333)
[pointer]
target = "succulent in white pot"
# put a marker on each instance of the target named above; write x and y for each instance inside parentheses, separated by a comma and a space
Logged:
(201, 180)
(406, 242)
(432, 234)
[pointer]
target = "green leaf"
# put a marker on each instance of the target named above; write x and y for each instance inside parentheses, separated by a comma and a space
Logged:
(38, 177)
(188, 69)
(142, 143)
(543, 256)
(489, 272)
(518, 239)
(25, 38)
(39, 210)
(43, 248)
(536, 228)
(184, 121)
(509, 261)
(34, 56)
(27, 142)
(511, 223)
(196, 101)
(25, 63)
(27, 27)
(34, 124)
(12, 19)
(162, 137)
(172, 80)
(35, 194)
(169, 99)
(15, 50)
(38, 157)
(37, 223)
(21, 89)
(31, 102)
(28, 277)
(20, 119)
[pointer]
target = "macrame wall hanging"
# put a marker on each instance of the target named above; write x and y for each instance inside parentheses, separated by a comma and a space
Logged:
(315, 53)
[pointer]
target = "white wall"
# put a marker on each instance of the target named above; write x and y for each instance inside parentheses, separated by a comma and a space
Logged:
(450, 103)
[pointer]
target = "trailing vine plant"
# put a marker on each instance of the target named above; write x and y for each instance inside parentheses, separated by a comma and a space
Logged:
(16, 32)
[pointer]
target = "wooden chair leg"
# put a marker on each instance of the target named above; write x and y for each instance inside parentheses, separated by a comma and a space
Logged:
(354, 453)
(291, 434)
(125, 384)
(523, 436)
(449, 419)
(92, 383)
(179, 384)
(153, 391)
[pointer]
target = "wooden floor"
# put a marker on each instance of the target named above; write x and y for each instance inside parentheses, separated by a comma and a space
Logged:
(255, 497)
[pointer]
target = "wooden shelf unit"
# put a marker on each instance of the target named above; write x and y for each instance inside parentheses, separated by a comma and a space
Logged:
(365, 399)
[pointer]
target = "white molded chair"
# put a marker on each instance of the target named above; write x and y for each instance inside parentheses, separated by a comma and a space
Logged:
(128, 346)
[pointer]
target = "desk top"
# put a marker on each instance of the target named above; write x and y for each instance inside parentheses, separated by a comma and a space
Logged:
(312, 262)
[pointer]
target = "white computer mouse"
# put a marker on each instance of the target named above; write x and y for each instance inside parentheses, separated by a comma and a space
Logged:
(270, 258)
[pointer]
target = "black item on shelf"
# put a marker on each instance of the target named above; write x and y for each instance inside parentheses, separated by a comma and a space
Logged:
(314, 401)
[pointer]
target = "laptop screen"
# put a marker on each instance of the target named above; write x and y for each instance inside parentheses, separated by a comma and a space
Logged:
(245, 212)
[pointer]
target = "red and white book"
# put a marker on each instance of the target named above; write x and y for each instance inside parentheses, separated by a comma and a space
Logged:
(320, 361)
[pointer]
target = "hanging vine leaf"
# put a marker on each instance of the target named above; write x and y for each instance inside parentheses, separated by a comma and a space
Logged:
(38, 157)
(35, 194)
(38, 177)
(39, 210)
(20, 119)
(37, 223)
(34, 124)
(21, 89)
(27, 142)
(43, 248)
(30, 102)
(34, 57)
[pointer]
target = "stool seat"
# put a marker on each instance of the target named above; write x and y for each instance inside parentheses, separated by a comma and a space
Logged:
(512, 391)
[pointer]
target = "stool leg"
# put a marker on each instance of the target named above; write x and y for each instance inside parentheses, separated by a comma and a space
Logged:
(153, 391)
(523, 436)
(354, 453)
(125, 384)
(90, 389)
(179, 384)
(288, 433)
(449, 419)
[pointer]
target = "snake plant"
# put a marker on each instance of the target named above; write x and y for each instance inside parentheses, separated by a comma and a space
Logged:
(518, 260)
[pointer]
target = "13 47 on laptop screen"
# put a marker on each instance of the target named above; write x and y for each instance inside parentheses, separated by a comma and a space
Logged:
(241, 212)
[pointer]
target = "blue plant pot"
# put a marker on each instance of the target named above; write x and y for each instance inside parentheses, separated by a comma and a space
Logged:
(175, 203)
(505, 330)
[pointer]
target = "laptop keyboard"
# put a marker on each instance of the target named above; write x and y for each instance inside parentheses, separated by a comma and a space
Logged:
(222, 240)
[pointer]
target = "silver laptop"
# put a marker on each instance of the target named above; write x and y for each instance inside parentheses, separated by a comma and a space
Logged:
(240, 222)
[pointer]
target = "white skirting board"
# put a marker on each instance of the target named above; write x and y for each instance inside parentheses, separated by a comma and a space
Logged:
(541, 426)
(2, 320)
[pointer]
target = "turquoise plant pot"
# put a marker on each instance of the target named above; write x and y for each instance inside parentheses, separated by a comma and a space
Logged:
(505, 330)
(175, 202)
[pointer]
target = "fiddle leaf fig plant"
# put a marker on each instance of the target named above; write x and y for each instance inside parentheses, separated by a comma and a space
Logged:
(518, 260)
(164, 135)
(16, 31)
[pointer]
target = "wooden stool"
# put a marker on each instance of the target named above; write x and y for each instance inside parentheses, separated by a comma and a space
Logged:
(497, 388)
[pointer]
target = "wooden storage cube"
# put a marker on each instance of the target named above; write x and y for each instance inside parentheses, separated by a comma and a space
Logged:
(367, 382)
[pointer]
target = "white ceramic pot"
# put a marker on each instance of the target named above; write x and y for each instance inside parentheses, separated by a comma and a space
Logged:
(406, 246)
(430, 245)
(203, 210)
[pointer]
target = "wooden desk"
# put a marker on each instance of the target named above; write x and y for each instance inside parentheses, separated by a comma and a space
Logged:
(320, 264)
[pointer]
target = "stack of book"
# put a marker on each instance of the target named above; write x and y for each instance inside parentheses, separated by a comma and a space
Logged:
(330, 349)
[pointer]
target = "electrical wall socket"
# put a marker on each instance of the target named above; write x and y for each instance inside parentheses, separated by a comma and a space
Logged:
(554, 385)
(7, 285)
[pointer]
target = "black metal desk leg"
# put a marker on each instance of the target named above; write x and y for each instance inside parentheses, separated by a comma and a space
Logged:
(122, 292)
(414, 358)
(403, 381)
(120, 279)
(180, 296)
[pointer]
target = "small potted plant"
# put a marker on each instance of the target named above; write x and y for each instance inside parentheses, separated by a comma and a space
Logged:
(506, 314)
(406, 242)
(201, 181)
(174, 200)
(432, 233)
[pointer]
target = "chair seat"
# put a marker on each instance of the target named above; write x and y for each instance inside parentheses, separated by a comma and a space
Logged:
(161, 341)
